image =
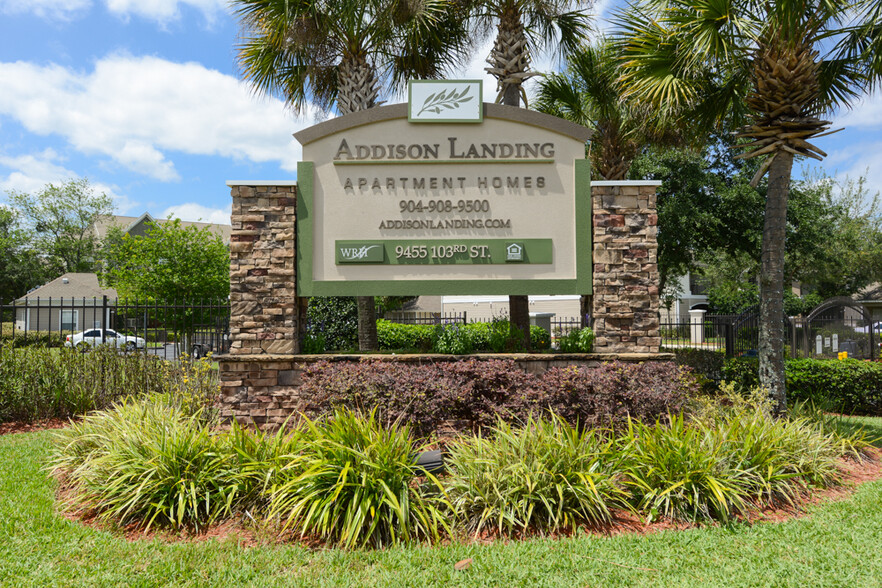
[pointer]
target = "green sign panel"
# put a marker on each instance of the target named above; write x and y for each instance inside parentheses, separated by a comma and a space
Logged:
(445, 251)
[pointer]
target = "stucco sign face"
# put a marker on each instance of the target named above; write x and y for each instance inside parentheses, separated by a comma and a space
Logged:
(387, 205)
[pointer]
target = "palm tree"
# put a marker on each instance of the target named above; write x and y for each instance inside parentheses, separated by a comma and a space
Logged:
(523, 27)
(779, 67)
(590, 93)
(339, 54)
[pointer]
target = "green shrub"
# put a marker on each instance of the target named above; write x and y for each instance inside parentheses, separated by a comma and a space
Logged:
(336, 319)
(354, 483)
(702, 361)
(540, 338)
(11, 337)
(743, 372)
(457, 339)
(851, 386)
(577, 341)
(545, 476)
(454, 339)
(394, 336)
(147, 462)
(38, 383)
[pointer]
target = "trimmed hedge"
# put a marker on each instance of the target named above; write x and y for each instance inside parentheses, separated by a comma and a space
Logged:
(472, 394)
(852, 386)
(456, 339)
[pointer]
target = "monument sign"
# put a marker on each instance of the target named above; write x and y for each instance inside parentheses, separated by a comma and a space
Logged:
(444, 195)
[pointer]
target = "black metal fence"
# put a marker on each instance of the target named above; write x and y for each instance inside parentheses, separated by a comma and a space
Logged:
(411, 317)
(167, 329)
(809, 337)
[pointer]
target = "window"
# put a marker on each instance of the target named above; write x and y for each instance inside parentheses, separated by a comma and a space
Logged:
(92, 333)
(69, 320)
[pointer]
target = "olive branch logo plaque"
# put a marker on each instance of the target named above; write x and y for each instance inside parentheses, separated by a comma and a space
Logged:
(445, 101)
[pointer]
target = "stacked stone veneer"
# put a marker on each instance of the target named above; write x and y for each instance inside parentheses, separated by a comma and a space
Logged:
(263, 304)
(261, 374)
(625, 267)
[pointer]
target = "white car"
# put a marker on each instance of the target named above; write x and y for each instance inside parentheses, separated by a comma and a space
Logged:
(92, 338)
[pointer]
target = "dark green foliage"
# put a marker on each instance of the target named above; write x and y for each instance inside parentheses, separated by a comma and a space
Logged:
(854, 386)
(743, 372)
(850, 386)
(474, 394)
(336, 319)
(706, 364)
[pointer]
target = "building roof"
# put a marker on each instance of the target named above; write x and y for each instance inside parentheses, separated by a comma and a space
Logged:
(872, 294)
(132, 223)
(70, 286)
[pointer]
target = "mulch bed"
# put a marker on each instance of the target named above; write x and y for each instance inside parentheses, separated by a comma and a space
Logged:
(247, 534)
(19, 427)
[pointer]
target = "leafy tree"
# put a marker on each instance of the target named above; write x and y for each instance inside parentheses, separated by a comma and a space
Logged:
(834, 234)
(169, 263)
(63, 218)
(335, 53)
(20, 267)
(776, 68)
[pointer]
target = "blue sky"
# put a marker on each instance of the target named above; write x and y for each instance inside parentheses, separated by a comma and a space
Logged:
(143, 98)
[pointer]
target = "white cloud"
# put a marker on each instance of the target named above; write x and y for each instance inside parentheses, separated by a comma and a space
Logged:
(867, 114)
(139, 111)
(192, 211)
(48, 9)
(161, 11)
(865, 159)
(164, 10)
(30, 173)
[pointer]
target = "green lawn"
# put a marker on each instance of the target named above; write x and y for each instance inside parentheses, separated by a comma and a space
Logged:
(839, 544)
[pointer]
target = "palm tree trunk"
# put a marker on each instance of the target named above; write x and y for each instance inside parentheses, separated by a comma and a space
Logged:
(367, 324)
(358, 89)
(518, 305)
(771, 341)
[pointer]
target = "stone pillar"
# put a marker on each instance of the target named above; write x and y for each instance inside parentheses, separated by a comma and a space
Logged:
(263, 306)
(257, 378)
(626, 277)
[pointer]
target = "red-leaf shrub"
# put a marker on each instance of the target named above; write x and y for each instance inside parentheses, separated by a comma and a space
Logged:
(472, 394)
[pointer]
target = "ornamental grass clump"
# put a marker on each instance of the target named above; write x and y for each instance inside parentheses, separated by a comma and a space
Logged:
(355, 484)
(730, 456)
(678, 470)
(546, 476)
(147, 462)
